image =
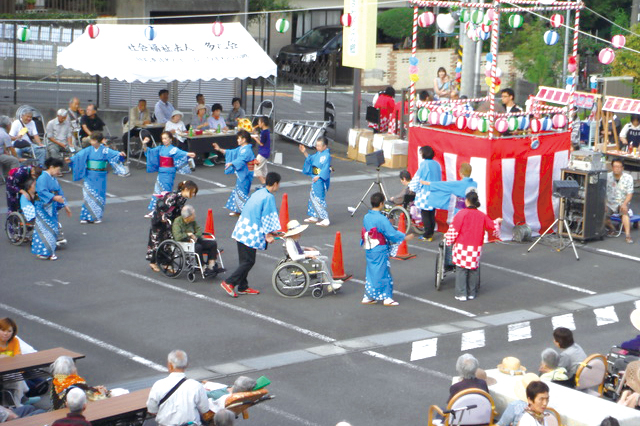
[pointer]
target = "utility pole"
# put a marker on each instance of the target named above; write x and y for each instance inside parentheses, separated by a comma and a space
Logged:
(635, 11)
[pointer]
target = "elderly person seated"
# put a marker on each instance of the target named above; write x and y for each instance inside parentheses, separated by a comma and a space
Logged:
(186, 229)
(8, 157)
(24, 135)
(549, 369)
(77, 403)
(631, 398)
(467, 366)
(65, 377)
(59, 135)
(218, 393)
(572, 354)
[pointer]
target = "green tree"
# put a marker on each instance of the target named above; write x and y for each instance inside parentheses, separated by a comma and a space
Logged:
(397, 25)
(627, 63)
(540, 63)
(256, 6)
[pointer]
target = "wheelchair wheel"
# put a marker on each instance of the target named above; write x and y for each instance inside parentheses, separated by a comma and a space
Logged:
(317, 292)
(440, 258)
(170, 258)
(394, 217)
(16, 228)
(290, 279)
(191, 276)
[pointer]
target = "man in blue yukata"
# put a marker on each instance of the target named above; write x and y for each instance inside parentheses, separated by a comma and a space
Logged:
(318, 165)
(380, 241)
(428, 171)
(256, 227)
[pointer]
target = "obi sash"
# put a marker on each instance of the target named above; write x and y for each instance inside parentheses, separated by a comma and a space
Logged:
(315, 171)
(166, 161)
(251, 165)
(372, 238)
(97, 165)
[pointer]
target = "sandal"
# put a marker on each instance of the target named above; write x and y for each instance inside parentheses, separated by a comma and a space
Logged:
(390, 302)
(367, 301)
(154, 267)
(629, 240)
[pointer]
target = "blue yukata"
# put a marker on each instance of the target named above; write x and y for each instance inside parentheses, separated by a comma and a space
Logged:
(318, 164)
(428, 171)
(166, 160)
(449, 195)
(259, 217)
(239, 159)
(46, 229)
(90, 164)
(380, 241)
(27, 207)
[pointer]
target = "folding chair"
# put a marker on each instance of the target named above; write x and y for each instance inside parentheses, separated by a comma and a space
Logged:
(264, 108)
(144, 133)
(552, 417)
(591, 374)
(458, 413)
(240, 402)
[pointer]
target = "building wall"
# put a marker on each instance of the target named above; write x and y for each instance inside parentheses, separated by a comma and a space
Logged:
(136, 8)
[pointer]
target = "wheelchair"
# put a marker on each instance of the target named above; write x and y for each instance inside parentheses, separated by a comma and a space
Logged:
(411, 215)
(291, 279)
(444, 264)
(17, 228)
(175, 257)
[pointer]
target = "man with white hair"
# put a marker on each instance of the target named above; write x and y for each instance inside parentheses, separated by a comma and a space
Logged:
(467, 366)
(176, 400)
(76, 402)
(59, 135)
(24, 135)
(8, 157)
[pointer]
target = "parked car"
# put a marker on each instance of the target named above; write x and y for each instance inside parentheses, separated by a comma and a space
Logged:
(308, 59)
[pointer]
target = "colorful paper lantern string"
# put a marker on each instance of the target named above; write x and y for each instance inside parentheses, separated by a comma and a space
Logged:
(556, 20)
(24, 34)
(282, 25)
(93, 30)
(426, 19)
(217, 28)
(516, 21)
(618, 41)
(346, 20)
(150, 32)
(606, 55)
(551, 37)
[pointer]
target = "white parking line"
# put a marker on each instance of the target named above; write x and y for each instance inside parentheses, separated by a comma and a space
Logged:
(617, 254)
(286, 167)
(408, 365)
(287, 415)
(87, 338)
(523, 274)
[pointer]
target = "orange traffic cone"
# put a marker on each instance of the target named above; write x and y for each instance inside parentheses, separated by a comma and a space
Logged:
(284, 212)
(209, 226)
(403, 250)
(337, 264)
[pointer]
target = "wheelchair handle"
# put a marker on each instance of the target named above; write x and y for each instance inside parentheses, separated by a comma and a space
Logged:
(454, 410)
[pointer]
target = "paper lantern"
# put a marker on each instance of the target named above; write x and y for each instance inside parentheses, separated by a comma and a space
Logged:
(496, 89)
(446, 23)
(477, 16)
(572, 68)
(484, 35)
(551, 37)
(217, 28)
(498, 72)
(346, 20)
(513, 124)
(501, 125)
(483, 125)
(434, 117)
(426, 19)
(413, 69)
(487, 80)
(24, 34)
(618, 41)
(423, 114)
(461, 122)
(516, 21)
(547, 124)
(413, 60)
(472, 123)
(150, 32)
(487, 73)
(487, 20)
(486, 28)
(465, 15)
(560, 121)
(489, 57)
(536, 125)
(570, 81)
(472, 34)
(556, 20)
(491, 15)
(414, 77)
(606, 55)
(523, 122)
(282, 25)
(93, 30)
(446, 119)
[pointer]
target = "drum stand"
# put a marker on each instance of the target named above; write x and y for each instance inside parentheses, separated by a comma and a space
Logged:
(561, 220)
(375, 183)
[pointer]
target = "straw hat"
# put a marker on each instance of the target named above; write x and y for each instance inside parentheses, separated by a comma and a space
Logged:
(520, 387)
(511, 365)
(632, 375)
(294, 228)
(635, 318)
(201, 106)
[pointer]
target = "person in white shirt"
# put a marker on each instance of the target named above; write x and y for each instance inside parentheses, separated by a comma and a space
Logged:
(163, 108)
(59, 135)
(630, 133)
(175, 126)
(8, 157)
(187, 400)
(24, 135)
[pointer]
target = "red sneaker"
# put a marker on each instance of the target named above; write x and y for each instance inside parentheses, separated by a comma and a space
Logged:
(228, 288)
(248, 291)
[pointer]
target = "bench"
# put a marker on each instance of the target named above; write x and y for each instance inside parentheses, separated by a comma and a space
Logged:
(131, 408)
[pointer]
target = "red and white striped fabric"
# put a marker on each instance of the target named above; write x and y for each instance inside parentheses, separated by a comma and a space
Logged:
(515, 182)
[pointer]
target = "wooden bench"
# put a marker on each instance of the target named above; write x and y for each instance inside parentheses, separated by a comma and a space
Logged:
(36, 360)
(132, 407)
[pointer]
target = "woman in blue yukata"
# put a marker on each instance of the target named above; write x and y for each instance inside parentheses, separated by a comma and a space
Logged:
(28, 198)
(318, 165)
(428, 171)
(380, 241)
(240, 161)
(50, 200)
(165, 159)
(90, 164)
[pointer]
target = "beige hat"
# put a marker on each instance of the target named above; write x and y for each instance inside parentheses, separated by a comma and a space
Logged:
(520, 387)
(482, 375)
(635, 318)
(632, 375)
(177, 112)
(294, 228)
(201, 106)
(511, 365)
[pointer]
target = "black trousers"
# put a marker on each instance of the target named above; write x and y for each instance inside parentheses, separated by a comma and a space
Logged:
(429, 222)
(246, 258)
(208, 247)
(135, 133)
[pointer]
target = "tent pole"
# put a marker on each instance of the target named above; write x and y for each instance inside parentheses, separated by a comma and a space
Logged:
(129, 126)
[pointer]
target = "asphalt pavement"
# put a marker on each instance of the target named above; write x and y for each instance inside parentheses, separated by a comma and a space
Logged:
(329, 359)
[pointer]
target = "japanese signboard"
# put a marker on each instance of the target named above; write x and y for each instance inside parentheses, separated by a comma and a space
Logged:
(359, 39)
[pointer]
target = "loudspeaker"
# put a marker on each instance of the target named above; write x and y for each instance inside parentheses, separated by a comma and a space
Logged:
(566, 188)
(375, 159)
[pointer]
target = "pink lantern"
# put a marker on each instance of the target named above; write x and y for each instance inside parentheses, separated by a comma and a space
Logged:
(472, 123)
(618, 41)
(346, 20)
(217, 28)
(426, 19)
(93, 30)
(572, 67)
(559, 121)
(491, 15)
(434, 117)
(556, 20)
(413, 69)
(501, 125)
(606, 55)
(461, 122)
(536, 125)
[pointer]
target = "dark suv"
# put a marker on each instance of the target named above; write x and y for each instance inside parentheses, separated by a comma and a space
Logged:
(309, 58)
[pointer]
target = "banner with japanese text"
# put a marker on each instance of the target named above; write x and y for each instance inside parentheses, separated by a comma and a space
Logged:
(359, 38)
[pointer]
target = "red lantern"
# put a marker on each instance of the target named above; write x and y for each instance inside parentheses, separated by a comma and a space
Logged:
(217, 28)
(346, 20)
(93, 31)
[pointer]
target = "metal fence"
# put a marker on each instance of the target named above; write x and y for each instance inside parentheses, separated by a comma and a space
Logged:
(101, 7)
